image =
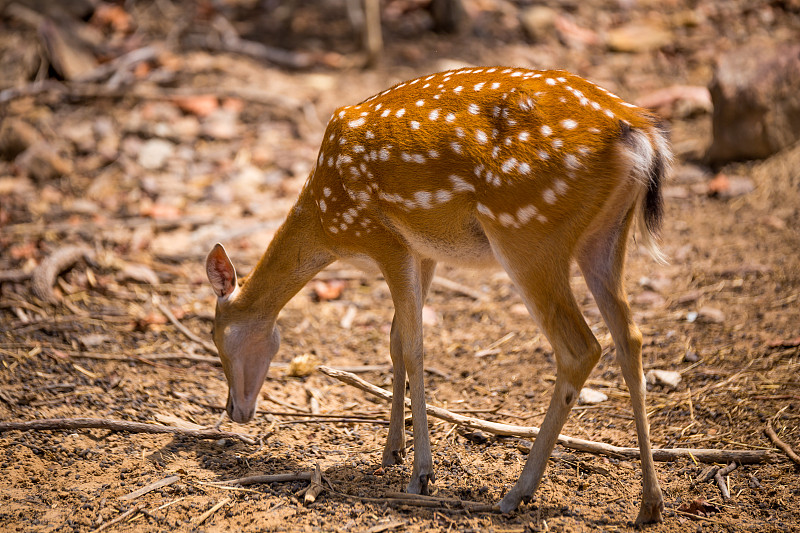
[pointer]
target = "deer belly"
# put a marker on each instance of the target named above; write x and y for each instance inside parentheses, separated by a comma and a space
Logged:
(456, 242)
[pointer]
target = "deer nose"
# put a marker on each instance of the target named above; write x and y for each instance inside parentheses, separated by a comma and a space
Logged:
(239, 413)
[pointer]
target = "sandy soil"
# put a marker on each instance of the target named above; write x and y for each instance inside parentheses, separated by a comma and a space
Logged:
(96, 352)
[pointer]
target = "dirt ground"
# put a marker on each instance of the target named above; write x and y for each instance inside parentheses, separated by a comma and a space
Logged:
(724, 313)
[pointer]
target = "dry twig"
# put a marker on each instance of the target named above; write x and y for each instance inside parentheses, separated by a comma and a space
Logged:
(151, 487)
(133, 510)
(186, 331)
(203, 517)
(780, 444)
(719, 477)
(665, 454)
(315, 488)
(49, 424)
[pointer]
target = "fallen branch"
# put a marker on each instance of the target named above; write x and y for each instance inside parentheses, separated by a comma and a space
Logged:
(44, 276)
(664, 454)
(781, 445)
(50, 424)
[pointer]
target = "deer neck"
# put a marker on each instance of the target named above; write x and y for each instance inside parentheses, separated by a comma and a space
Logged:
(295, 255)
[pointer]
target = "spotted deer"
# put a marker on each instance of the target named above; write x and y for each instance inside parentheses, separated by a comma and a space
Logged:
(478, 166)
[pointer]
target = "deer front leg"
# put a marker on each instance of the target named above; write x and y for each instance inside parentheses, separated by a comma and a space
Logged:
(408, 280)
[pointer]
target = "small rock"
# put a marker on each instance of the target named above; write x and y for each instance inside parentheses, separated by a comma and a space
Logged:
(590, 396)
(477, 436)
(93, 340)
(710, 315)
(756, 102)
(154, 153)
(519, 309)
(222, 124)
(638, 38)
(691, 356)
(430, 317)
(538, 21)
(668, 378)
(524, 446)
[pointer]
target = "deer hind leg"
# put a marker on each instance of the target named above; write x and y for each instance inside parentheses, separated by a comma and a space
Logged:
(408, 278)
(394, 452)
(544, 286)
(602, 260)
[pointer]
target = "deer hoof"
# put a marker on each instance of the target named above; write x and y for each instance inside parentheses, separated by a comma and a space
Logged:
(650, 512)
(393, 457)
(509, 503)
(419, 484)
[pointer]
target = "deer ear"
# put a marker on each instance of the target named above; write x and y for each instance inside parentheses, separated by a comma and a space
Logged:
(220, 271)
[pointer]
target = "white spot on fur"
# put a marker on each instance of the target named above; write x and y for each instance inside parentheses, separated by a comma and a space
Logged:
(400, 112)
(443, 196)
(568, 124)
(509, 165)
(507, 220)
(549, 196)
(526, 213)
(433, 115)
(414, 125)
(459, 185)
(546, 130)
(482, 209)
(570, 161)
(423, 199)
(474, 109)
(481, 137)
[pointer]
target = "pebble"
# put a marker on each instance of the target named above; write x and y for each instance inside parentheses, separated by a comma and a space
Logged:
(590, 396)
(668, 378)
(154, 153)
